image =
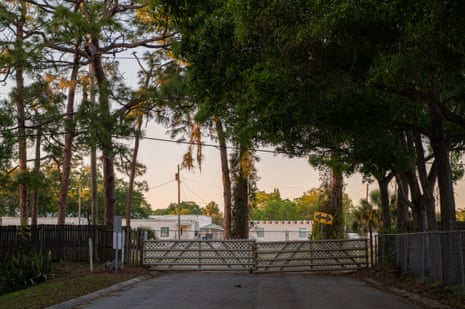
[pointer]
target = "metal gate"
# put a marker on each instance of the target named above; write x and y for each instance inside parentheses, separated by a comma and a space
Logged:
(324, 255)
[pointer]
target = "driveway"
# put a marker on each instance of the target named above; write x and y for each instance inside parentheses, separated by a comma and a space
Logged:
(192, 290)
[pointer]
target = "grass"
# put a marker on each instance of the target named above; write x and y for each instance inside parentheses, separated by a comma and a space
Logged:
(69, 281)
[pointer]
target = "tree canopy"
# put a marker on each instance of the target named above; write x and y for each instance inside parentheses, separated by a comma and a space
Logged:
(375, 87)
(317, 78)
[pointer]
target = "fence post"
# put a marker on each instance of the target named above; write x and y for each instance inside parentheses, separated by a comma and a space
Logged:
(91, 261)
(371, 250)
(254, 256)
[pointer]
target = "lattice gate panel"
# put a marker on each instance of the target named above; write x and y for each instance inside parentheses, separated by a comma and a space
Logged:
(326, 255)
(196, 254)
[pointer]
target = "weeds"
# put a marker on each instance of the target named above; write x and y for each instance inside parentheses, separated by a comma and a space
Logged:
(23, 270)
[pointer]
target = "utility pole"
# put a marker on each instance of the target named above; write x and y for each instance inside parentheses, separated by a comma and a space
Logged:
(178, 179)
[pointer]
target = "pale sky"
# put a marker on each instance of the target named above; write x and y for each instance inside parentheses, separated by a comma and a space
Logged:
(292, 177)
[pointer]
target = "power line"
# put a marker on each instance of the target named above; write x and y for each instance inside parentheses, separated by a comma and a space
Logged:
(158, 139)
(202, 183)
(184, 184)
(165, 140)
(163, 184)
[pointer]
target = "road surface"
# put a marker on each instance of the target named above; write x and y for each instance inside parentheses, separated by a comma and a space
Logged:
(192, 290)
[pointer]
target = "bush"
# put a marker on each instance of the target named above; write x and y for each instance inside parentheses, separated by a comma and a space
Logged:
(23, 270)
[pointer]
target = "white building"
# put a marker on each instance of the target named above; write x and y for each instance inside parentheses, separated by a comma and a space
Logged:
(5, 221)
(164, 227)
(280, 230)
(201, 227)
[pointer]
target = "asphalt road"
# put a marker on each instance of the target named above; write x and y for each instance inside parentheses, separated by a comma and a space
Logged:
(192, 290)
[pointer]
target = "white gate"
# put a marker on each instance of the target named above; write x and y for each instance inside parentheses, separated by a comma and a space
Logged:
(323, 255)
(318, 255)
(200, 254)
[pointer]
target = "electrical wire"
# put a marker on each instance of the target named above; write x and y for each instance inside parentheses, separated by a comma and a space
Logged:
(161, 185)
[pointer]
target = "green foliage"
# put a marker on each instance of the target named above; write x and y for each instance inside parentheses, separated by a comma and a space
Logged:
(270, 206)
(366, 218)
(187, 208)
(460, 214)
(212, 210)
(276, 210)
(24, 233)
(311, 201)
(23, 270)
(48, 184)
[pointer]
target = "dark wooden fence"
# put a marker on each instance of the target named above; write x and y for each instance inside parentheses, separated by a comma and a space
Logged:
(70, 243)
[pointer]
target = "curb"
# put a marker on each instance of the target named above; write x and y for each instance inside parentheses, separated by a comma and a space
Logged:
(72, 303)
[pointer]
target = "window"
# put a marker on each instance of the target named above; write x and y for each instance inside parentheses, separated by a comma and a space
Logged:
(302, 232)
(164, 232)
(260, 231)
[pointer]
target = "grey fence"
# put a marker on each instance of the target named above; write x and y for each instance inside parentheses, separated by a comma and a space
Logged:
(431, 256)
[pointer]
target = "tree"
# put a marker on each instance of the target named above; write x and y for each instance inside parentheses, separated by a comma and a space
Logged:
(339, 68)
(108, 28)
(213, 81)
(17, 55)
(366, 218)
(212, 210)
(187, 208)
(311, 201)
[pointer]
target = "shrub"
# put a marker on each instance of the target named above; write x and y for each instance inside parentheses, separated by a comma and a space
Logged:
(23, 270)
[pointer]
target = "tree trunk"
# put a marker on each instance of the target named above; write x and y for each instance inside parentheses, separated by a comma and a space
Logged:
(427, 186)
(245, 216)
(35, 192)
(69, 137)
(440, 147)
(417, 205)
(383, 183)
(418, 209)
(21, 113)
(402, 204)
(132, 175)
(240, 212)
(226, 179)
(446, 189)
(104, 132)
(106, 144)
(337, 184)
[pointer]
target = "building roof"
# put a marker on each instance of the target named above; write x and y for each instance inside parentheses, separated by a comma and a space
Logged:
(212, 226)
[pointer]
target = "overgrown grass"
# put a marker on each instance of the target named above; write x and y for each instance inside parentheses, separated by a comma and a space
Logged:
(390, 277)
(23, 270)
(69, 281)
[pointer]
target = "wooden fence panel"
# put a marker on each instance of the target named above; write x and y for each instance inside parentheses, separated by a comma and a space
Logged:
(68, 243)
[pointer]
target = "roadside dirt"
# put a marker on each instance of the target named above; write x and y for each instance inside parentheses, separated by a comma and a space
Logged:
(427, 294)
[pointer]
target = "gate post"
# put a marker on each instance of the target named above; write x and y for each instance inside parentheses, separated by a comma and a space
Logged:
(254, 256)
